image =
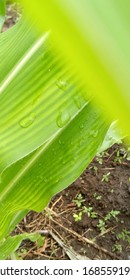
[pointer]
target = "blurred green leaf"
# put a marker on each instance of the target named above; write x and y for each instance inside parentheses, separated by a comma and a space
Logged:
(2, 12)
(94, 36)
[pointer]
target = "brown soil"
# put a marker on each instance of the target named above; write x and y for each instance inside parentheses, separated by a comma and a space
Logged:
(101, 203)
(13, 14)
(66, 238)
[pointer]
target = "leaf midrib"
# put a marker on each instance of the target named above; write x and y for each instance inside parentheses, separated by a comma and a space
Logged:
(22, 62)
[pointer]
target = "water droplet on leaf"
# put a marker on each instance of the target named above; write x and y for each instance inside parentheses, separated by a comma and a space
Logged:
(61, 84)
(81, 126)
(45, 180)
(57, 180)
(63, 118)
(27, 121)
(93, 133)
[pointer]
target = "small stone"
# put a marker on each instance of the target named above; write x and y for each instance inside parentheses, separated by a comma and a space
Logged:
(82, 181)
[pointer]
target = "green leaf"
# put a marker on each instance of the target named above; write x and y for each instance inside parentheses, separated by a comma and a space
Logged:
(16, 218)
(113, 135)
(2, 12)
(31, 182)
(35, 80)
(94, 36)
(43, 112)
(39, 93)
(11, 244)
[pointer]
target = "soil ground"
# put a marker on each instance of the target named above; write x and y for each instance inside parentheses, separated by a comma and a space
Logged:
(90, 218)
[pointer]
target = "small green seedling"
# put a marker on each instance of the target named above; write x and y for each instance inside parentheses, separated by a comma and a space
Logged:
(117, 247)
(124, 235)
(98, 197)
(24, 251)
(78, 200)
(93, 215)
(112, 214)
(105, 177)
(118, 157)
(122, 154)
(89, 211)
(77, 217)
(101, 225)
(95, 168)
(115, 213)
(99, 160)
(100, 156)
